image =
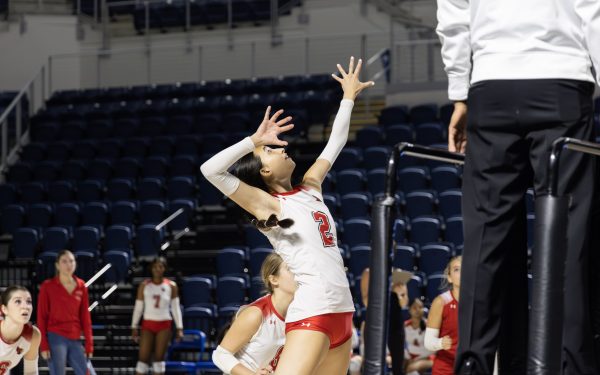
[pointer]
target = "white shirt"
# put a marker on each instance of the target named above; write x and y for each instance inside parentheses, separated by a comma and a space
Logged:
(11, 354)
(309, 247)
(268, 341)
(157, 300)
(516, 39)
(415, 342)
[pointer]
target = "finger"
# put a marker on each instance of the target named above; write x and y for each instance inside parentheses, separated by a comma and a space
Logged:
(368, 84)
(358, 68)
(337, 78)
(267, 113)
(342, 71)
(351, 65)
(276, 115)
(286, 128)
(284, 121)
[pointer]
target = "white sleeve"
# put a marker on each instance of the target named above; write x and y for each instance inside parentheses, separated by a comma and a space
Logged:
(215, 168)
(454, 32)
(138, 310)
(432, 341)
(589, 12)
(176, 313)
(224, 359)
(30, 367)
(339, 132)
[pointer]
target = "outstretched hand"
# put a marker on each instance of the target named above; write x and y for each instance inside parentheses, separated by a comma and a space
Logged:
(269, 129)
(349, 80)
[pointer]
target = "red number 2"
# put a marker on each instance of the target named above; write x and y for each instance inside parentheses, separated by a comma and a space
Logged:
(324, 228)
(157, 299)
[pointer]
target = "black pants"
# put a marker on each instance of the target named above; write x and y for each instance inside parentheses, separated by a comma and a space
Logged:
(511, 127)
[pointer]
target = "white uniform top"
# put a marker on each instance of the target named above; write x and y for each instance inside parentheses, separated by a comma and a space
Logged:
(309, 247)
(11, 354)
(267, 342)
(415, 342)
(157, 300)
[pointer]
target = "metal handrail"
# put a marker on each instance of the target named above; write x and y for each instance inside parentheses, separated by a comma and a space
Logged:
(557, 147)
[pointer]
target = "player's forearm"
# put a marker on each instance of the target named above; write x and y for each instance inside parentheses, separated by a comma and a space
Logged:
(339, 132)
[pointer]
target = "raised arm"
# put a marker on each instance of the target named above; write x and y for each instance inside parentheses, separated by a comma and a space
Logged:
(252, 199)
(351, 86)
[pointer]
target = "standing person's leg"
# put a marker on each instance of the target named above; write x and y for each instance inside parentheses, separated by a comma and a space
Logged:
(564, 109)
(336, 361)
(76, 357)
(303, 352)
(594, 267)
(58, 354)
(163, 338)
(494, 183)
(145, 352)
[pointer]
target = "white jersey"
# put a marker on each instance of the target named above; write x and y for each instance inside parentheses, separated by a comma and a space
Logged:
(11, 354)
(309, 247)
(415, 342)
(267, 342)
(157, 300)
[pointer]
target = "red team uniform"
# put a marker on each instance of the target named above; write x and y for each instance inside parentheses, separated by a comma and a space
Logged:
(444, 359)
(309, 247)
(157, 306)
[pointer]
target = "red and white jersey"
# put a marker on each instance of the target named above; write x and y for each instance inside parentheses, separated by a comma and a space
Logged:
(415, 342)
(266, 343)
(309, 247)
(444, 359)
(157, 300)
(11, 354)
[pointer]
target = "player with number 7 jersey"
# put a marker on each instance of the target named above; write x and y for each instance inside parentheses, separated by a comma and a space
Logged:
(301, 230)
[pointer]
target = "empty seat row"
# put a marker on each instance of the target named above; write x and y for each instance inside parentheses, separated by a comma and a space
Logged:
(420, 114)
(426, 134)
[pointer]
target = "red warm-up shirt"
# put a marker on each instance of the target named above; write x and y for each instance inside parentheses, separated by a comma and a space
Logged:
(64, 314)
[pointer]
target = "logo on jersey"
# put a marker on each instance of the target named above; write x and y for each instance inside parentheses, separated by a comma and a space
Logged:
(453, 305)
(4, 367)
(19, 350)
(305, 325)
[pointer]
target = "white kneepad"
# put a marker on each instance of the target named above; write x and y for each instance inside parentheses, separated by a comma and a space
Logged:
(141, 368)
(159, 367)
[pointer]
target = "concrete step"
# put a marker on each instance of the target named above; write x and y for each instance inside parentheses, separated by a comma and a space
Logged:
(34, 7)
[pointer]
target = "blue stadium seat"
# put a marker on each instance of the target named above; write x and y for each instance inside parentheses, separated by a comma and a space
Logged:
(254, 238)
(230, 261)
(369, 136)
(399, 230)
(398, 133)
(450, 202)
(39, 216)
(360, 258)
(127, 168)
(8, 194)
(45, 171)
(433, 286)
(83, 150)
(257, 257)
(355, 205)
(332, 201)
(58, 151)
(376, 181)
(415, 287)
(423, 113)
(183, 165)
(420, 202)
(109, 149)
(150, 188)
(180, 125)
(376, 157)
(33, 152)
(60, 191)
(66, 215)
(196, 290)
(135, 148)
(424, 230)
(33, 192)
(454, 230)
(149, 241)
(413, 178)
(151, 212)
(25, 243)
(184, 220)
(155, 166)
(98, 129)
(86, 264)
(404, 257)
(72, 131)
(119, 269)
(118, 237)
(231, 290)
(12, 218)
(350, 181)
(87, 239)
(201, 316)
(180, 188)
(446, 113)
(327, 186)
(119, 189)
(94, 214)
(187, 146)
(394, 115)
(73, 170)
(99, 169)
(445, 178)
(46, 265)
(19, 173)
(433, 258)
(256, 288)
(357, 232)
(90, 191)
(123, 213)
(55, 239)
(349, 157)
(429, 133)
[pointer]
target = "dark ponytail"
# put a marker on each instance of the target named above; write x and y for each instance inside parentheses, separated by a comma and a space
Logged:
(247, 169)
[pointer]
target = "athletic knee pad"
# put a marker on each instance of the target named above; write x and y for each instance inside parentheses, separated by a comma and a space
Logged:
(355, 363)
(141, 368)
(159, 367)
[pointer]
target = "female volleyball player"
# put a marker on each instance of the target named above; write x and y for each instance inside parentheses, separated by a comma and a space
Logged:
(443, 321)
(418, 359)
(62, 315)
(319, 319)
(18, 337)
(158, 300)
(256, 336)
